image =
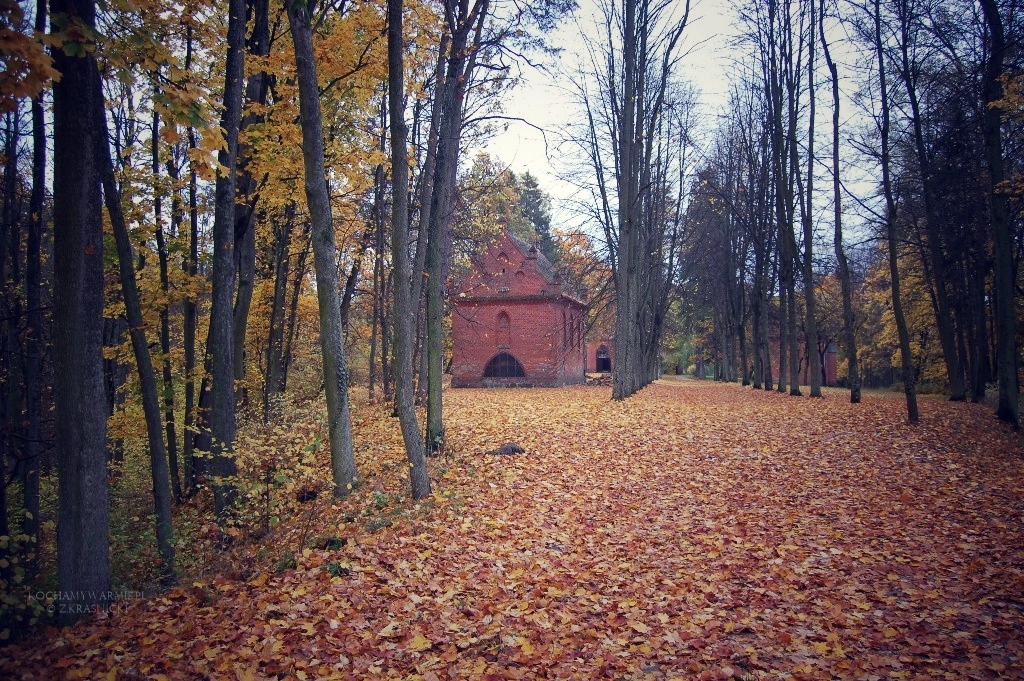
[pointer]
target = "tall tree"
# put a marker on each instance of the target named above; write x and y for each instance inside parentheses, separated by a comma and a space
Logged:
(842, 262)
(34, 346)
(343, 465)
(256, 89)
(909, 71)
(535, 205)
(83, 556)
(807, 219)
(140, 346)
(634, 73)
(404, 318)
(220, 339)
(884, 123)
(165, 312)
(1002, 240)
(465, 25)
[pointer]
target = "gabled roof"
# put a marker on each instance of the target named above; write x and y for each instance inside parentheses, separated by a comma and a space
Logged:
(544, 266)
(543, 280)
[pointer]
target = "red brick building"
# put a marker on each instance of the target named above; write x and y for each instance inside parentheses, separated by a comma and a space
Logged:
(515, 322)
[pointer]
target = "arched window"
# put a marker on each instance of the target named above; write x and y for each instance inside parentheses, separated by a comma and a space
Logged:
(504, 365)
(604, 360)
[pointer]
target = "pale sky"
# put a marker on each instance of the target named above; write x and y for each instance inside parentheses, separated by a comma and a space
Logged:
(539, 100)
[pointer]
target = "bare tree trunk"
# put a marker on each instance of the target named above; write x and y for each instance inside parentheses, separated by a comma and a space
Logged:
(191, 267)
(165, 320)
(272, 383)
(814, 362)
(405, 328)
(944, 316)
(378, 267)
(773, 91)
(245, 270)
(246, 195)
(783, 331)
(385, 338)
(220, 341)
(1002, 239)
(909, 375)
(83, 556)
(426, 194)
(332, 345)
(9, 233)
(451, 100)
(34, 331)
(140, 346)
(843, 264)
(190, 321)
(293, 307)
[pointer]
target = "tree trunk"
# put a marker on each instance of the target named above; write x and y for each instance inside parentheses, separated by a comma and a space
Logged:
(245, 270)
(147, 377)
(426, 194)
(293, 307)
(451, 100)
(1002, 238)
(34, 332)
(405, 327)
(343, 464)
(83, 556)
(191, 267)
(842, 263)
(814, 362)
(191, 314)
(272, 383)
(246, 195)
(165, 321)
(378, 271)
(944, 316)
(8, 329)
(783, 332)
(909, 376)
(625, 372)
(220, 340)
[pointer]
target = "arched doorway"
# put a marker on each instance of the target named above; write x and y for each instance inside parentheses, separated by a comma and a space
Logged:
(504, 365)
(603, 363)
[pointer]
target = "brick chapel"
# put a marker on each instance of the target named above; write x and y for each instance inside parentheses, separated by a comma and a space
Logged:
(515, 322)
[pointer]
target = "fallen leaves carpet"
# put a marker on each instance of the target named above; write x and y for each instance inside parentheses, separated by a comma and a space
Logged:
(696, 530)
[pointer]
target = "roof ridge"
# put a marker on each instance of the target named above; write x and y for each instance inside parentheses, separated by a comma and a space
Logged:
(544, 266)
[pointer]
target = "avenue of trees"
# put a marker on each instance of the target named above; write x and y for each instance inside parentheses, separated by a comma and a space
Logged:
(857, 191)
(213, 211)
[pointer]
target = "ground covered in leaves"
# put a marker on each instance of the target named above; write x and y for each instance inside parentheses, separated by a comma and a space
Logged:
(696, 530)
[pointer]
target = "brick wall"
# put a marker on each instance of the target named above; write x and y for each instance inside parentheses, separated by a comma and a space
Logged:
(514, 303)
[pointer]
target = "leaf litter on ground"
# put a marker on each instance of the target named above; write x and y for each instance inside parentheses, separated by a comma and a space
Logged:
(695, 530)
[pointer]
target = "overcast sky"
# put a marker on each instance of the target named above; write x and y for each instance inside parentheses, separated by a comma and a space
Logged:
(541, 102)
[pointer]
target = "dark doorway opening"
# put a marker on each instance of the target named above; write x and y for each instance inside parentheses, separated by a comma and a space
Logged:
(604, 360)
(504, 365)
